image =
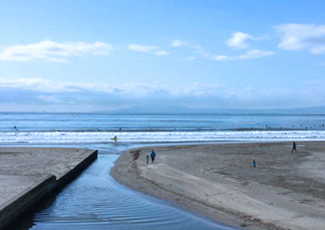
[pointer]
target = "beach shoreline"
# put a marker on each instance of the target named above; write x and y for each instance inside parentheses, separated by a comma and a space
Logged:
(285, 191)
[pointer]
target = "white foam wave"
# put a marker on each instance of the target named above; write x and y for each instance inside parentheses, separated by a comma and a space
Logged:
(159, 137)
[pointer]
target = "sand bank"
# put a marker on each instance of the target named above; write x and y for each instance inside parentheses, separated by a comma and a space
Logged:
(28, 174)
(285, 191)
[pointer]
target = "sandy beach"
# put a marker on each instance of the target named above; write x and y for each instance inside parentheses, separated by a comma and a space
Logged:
(285, 191)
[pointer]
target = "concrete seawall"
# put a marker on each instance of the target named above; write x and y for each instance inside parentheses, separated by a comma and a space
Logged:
(69, 175)
(27, 175)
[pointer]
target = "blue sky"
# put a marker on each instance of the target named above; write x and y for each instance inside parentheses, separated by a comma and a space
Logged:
(109, 55)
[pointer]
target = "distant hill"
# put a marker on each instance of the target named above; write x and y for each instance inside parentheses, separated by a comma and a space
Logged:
(310, 110)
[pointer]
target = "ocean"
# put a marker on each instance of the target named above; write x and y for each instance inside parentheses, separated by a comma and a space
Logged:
(75, 128)
(96, 201)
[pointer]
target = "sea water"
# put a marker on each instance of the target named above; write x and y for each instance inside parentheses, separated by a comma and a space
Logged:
(71, 128)
(95, 200)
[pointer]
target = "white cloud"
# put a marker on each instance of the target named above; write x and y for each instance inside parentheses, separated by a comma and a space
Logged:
(148, 49)
(178, 43)
(140, 48)
(302, 36)
(240, 40)
(221, 58)
(53, 51)
(253, 54)
(250, 54)
(161, 53)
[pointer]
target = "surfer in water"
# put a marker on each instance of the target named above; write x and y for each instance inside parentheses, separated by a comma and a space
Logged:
(115, 138)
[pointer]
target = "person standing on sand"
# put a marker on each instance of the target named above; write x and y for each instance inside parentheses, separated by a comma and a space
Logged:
(294, 147)
(147, 159)
(152, 155)
(254, 164)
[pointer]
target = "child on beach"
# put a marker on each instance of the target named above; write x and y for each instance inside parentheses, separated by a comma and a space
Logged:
(147, 159)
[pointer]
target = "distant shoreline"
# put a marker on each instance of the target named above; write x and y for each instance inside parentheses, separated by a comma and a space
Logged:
(286, 190)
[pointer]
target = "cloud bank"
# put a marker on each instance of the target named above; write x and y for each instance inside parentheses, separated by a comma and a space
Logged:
(53, 51)
(42, 95)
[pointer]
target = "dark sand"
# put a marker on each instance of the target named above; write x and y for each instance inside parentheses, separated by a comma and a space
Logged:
(285, 191)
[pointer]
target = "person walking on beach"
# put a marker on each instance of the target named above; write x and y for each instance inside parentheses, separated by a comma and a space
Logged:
(294, 147)
(147, 159)
(152, 155)
(254, 164)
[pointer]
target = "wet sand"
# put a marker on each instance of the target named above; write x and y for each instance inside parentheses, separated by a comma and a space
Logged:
(285, 191)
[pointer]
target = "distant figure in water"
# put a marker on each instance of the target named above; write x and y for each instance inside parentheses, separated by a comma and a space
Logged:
(115, 138)
(15, 127)
(254, 164)
(147, 159)
(294, 147)
(152, 156)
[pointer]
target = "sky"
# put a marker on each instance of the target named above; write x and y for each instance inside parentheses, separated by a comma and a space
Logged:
(86, 56)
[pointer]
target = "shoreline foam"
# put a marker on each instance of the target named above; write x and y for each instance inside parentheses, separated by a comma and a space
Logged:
(286, 191)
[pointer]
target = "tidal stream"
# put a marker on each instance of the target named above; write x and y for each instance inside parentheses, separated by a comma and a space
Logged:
(96, 201)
